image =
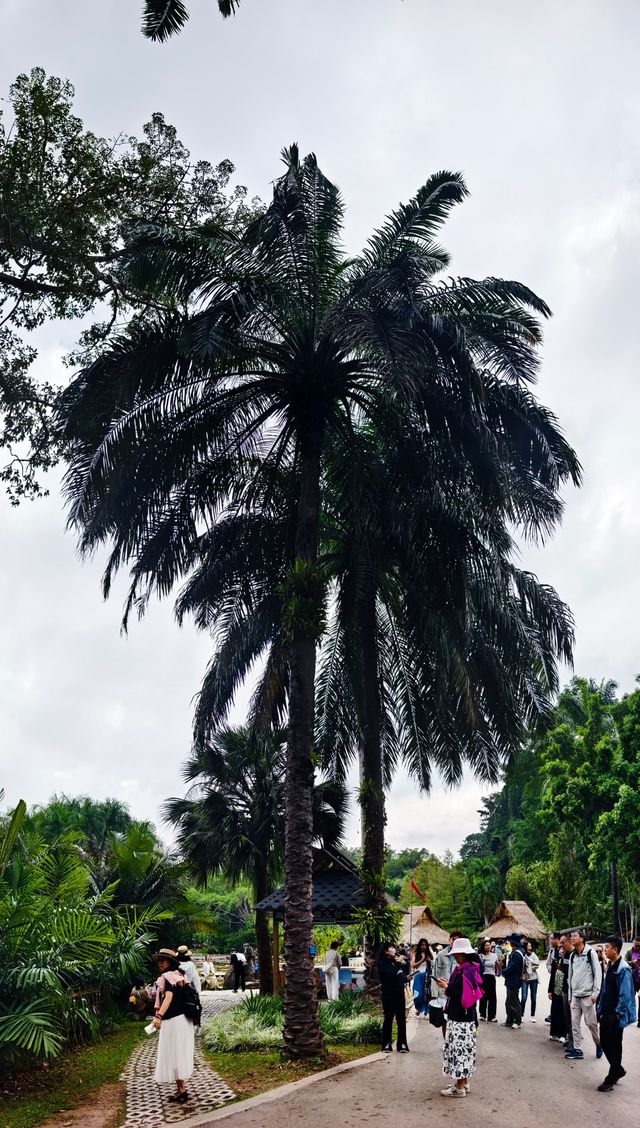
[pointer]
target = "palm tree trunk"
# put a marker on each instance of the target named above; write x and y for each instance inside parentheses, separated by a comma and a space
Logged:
(372, 804)
(263, 940)
(302, 1035)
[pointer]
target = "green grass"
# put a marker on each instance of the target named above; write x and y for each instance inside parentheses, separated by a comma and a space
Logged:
(68, 1081)
(254, 1072)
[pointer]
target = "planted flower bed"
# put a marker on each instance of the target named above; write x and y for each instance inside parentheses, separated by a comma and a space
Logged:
(257, 1022)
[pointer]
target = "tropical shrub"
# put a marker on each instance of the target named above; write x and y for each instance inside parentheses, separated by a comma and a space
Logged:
(257, 1023)
(65, 951)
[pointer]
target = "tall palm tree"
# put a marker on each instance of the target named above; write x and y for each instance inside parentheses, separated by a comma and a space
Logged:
(232, 820)
(285, 344)
(164, 18)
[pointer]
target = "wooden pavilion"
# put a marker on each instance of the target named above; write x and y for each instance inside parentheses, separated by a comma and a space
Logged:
(514, 916)
(337, 891)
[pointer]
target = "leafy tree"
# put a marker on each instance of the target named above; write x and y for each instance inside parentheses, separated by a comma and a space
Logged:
(94, 821)
(69, 200)
(285, 346)
(484, 885)
(232, 821)
(444, 882)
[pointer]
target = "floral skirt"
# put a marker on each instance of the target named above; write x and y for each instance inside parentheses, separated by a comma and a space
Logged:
(459, 1050)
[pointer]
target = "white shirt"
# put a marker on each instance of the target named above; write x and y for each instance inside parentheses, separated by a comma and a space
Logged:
(191, 975)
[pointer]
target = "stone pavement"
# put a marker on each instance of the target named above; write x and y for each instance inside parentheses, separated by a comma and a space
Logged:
(147, 1103)
(522, 1079)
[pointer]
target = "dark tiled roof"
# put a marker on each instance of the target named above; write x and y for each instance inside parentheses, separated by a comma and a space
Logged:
(335, 895)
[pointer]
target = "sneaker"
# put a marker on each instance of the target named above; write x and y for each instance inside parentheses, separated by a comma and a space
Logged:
(533, 1019)
(548, 1018)
(606, 1087)
(403, 1050)
(509, 1025)
(453, 1091)
(575, 1055)
(599, 1052)
(554, 1038)
(387, 1049)
(563, 1040)
(482, 1018)
(516, 1026)
(493, 1020)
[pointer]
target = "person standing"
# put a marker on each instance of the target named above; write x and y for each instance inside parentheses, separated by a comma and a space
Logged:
(553, 956)
(238, 961)
(488, 961)
(557, 976)
(616, 1009)
(189, 969)
(440, 974)
(392, 980)
(421, 964)
(585, 980)
(530, 980)
(464, 990)
(332, 965)
(633, 959)
(177, 1035)
(512, 976)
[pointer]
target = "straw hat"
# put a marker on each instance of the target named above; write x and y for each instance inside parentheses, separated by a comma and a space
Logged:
(167, 954)
(462, 947)
(183, 952)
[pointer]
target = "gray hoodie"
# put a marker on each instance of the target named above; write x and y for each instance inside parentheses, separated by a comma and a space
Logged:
(585, 973)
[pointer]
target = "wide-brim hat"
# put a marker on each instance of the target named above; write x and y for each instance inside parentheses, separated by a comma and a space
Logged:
(183, 952)
(514, 938)
(167, 954)
(462, 947)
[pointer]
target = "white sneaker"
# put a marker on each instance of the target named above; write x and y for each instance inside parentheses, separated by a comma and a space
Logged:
(533, 1019)
(516, 1026)
(453, 1091)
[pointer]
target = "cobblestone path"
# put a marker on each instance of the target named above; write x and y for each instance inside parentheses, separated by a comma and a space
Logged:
(147, 1103)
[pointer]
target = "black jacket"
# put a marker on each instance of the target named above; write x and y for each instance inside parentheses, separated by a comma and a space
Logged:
(392, 977)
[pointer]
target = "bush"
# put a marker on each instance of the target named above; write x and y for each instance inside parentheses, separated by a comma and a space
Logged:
(257, 1023)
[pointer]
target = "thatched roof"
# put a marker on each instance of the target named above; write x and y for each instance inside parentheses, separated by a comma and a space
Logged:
(514, 916)
(421, 924)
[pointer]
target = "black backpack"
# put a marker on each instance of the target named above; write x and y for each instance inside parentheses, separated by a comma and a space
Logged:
(190, 1003)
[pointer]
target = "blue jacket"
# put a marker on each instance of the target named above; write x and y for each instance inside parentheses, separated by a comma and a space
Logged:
(626, 1008)
(512, 973)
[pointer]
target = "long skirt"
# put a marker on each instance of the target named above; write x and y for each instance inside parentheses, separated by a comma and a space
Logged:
(332, 982)
(175, 1049)
(558, 1027)
(459, 1050)
(421, 993)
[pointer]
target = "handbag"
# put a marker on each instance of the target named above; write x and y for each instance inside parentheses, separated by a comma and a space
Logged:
(436, 1015)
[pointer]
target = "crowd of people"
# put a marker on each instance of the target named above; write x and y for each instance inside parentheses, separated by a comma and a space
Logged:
(454, 988)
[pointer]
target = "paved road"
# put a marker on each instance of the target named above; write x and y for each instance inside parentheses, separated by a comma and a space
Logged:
(522, 1079)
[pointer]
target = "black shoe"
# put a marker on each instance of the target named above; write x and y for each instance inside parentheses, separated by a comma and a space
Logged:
(179, 1098)
(387, 1049)
(606, 1087)
(403, 1050)
(548, 1018)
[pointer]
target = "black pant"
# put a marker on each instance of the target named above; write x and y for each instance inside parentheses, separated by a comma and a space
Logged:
(566, 1006)
(239, 975)
(611, 1042)
(489, 1001)
(393, 1006)
(514, 1011)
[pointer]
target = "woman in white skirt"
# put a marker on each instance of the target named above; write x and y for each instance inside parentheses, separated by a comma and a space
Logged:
(176, 1039)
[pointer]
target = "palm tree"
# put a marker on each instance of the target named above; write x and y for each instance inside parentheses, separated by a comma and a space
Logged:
(232, 820)
(164, 18)
(484, 881)
(285, 344)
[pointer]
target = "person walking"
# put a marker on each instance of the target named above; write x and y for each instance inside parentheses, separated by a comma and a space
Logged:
(616, 1009)
(633, 959)
(463, 991)
(238, 961)
(585, 980)
(530, 980)
(488, 1003)
(177, 1035)
(512, 976)
(188, 968)
(392, 980)
(421, 965)
(332, 965)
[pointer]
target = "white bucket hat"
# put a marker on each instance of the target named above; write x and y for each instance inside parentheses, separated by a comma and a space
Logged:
(462, 947)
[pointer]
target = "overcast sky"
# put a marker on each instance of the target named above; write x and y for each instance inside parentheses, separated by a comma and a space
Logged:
(538, 105)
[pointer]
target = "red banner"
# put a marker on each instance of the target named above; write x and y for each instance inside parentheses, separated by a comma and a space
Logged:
(418, 891)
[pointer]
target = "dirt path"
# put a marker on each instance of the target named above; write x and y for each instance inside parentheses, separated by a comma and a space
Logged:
(104, 1110)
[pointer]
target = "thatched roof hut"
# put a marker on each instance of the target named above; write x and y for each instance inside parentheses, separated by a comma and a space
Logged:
(420, 924)
(514, 916)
